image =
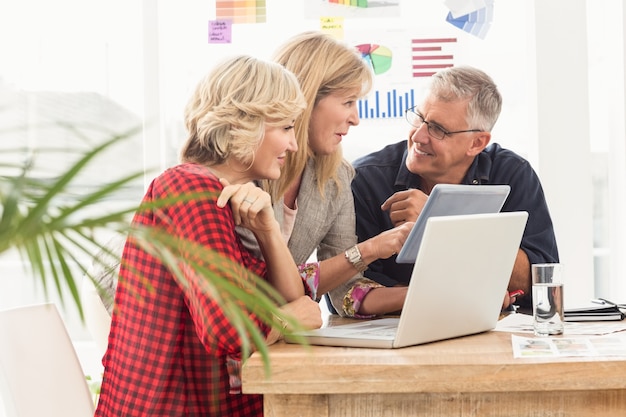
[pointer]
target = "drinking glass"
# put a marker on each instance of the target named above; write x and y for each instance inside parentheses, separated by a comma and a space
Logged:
(547, 299)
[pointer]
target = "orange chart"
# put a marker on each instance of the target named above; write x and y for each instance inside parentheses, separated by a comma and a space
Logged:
(377, 56)
(241, 11)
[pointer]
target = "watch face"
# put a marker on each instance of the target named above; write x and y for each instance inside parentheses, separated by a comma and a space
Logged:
(354, 256)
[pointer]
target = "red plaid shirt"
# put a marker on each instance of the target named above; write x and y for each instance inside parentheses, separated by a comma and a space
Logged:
(169, 347)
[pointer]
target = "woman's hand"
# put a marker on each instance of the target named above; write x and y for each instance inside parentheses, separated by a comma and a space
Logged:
(303, 309)
(252, 207)
(385, 244)
(306, 311)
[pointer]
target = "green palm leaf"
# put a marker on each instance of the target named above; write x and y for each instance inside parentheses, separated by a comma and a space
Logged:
(55, 230)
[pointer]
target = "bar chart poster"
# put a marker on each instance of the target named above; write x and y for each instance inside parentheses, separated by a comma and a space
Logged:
(430, 55)
(356, 3)
(386, 104)
(241, 11)
(375, 9)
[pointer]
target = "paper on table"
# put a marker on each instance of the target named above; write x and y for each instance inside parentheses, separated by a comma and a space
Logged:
(523, 323)
(536, 347)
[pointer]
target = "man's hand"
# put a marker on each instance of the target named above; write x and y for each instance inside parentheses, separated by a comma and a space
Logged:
(510, 298)
(405, 206)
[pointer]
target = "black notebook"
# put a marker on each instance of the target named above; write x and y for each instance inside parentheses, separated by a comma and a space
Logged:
(594, 313)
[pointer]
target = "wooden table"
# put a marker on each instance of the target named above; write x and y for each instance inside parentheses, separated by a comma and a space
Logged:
(470, 376)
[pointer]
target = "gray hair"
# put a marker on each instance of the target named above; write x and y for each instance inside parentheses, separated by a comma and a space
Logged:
(474, 85)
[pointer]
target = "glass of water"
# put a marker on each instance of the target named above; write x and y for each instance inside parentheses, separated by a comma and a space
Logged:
(547, 299)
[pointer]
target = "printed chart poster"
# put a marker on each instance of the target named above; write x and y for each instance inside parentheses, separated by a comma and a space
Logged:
(241, 11)
(313, 9)
(390, 55)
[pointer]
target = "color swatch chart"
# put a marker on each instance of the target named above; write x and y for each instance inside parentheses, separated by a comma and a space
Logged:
(476, 23)
(241, 11)
(357, 3)
(386, 105)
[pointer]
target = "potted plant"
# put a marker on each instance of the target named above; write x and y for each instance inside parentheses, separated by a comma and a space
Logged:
(55, 230)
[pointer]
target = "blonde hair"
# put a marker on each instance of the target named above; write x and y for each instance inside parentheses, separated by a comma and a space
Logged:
(323, 66)
(227, 113)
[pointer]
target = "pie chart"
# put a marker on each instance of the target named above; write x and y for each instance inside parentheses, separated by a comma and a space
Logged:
(377, 56)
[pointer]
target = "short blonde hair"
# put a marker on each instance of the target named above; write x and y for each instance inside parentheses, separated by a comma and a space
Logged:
(323, 66)
(229, 109)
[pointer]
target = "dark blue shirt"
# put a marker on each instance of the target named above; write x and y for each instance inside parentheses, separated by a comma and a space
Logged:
(382, 173)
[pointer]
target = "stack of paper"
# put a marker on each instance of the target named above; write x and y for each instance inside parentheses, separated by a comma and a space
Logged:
(594, 313)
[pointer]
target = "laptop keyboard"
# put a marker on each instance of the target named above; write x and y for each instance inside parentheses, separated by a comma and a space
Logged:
(387, 331)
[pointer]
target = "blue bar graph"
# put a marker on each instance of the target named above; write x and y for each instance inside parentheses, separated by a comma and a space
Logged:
(386, 105)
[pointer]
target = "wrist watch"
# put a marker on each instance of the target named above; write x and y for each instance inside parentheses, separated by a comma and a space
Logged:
(354, 256)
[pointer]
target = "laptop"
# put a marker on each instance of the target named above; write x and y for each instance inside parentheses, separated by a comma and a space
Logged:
(457, 286)
(452, 199)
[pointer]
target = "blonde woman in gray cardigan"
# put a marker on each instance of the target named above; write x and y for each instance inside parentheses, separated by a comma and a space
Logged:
(312, 198)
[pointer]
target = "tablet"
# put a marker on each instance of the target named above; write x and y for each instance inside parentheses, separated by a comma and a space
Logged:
(452, 199)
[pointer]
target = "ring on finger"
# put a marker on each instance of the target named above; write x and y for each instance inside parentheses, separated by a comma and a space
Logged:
(245, 200)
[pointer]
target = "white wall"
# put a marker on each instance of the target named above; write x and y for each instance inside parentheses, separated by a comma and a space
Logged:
(563, 136)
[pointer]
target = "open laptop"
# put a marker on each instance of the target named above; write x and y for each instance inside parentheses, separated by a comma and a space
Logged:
(452, 199)
(457, 287)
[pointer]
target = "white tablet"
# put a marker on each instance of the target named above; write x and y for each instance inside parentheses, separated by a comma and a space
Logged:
(452, 199)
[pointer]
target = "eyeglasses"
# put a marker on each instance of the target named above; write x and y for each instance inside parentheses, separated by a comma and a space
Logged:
(434, 130)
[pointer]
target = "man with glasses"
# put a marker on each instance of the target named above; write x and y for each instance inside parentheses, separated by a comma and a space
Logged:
(448, 143)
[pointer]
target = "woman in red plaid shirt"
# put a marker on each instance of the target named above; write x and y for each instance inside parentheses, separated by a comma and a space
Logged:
(172, 351)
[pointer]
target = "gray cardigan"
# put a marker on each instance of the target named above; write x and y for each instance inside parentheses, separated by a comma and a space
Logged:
(326, 224)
